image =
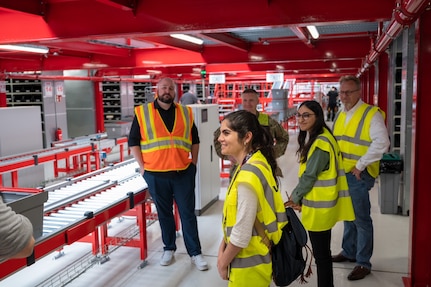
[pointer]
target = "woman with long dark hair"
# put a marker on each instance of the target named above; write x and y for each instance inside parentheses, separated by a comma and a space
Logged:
(322, 193)
(253, 212)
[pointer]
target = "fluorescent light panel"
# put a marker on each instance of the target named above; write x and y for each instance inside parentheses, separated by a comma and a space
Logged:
(188, 38)
(142, 77)
(26, 48)
(313, 31)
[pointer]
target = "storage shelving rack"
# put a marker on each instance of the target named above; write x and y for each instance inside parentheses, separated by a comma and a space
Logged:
(111, 101)
(396, 131)
(120, 98)
(144, 92)
(25, 92)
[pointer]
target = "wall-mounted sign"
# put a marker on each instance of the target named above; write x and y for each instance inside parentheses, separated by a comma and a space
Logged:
(217, 78)
(47, 90)
(274, 77)
(59, 89)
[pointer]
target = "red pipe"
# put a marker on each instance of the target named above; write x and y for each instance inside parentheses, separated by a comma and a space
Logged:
(404, 15)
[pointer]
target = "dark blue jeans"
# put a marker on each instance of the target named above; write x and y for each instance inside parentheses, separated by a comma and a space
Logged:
(358, 234)
(164, 188)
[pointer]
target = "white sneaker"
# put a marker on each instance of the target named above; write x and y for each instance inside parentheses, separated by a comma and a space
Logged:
(167, 257)
(200, 262)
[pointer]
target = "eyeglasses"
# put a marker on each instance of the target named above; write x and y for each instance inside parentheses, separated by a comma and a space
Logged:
(348, 93)
(304, 116)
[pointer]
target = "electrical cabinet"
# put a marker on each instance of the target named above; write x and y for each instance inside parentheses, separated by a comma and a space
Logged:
(208, 165)
(21, 132)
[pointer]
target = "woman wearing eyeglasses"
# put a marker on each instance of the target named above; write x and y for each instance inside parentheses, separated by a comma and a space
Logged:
(322, 193)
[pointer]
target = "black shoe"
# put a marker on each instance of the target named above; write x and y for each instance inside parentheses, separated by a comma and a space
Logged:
(341, 258)
(358, 273)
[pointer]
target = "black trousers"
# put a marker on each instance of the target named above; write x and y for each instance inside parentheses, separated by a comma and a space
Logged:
(332, 111)
(321, 244)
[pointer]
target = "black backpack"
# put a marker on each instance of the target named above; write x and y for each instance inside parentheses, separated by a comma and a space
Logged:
(288, 263)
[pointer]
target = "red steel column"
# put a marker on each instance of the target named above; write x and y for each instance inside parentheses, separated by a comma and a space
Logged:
(420, 215)
(98, 100)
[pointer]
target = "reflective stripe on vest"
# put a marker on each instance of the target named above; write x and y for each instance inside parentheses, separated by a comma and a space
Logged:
(163, 150)
(329, 200)
(332, 182)
(355, 145)
(269, 195)
(256, 254)
(153, 142)
(250, 261)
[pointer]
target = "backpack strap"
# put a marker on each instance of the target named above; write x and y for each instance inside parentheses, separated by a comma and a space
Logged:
(260, 230)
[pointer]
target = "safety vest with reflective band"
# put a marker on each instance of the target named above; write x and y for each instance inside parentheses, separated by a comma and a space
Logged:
(252, 265)
(163, 150)
(329, 200)
(354, 137)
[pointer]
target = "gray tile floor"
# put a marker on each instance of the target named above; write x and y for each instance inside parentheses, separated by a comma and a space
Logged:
(390, 259)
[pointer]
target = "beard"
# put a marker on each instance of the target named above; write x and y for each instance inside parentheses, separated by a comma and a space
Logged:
(166, 98)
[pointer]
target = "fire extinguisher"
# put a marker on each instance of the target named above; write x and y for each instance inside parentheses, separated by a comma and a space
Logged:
(58, 134)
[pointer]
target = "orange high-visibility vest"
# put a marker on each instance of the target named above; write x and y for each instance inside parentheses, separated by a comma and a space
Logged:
(163, 150)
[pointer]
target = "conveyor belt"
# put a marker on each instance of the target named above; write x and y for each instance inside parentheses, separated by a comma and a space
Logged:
(78, 206)
(70, 201)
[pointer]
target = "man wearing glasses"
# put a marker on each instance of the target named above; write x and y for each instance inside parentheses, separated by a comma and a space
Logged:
(363, 138)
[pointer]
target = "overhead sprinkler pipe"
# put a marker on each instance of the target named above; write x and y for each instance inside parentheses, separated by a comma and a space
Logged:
(404, 14)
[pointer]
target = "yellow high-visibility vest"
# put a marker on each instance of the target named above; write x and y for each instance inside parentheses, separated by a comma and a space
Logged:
(329, 200)
(354, 137)
(252, 266)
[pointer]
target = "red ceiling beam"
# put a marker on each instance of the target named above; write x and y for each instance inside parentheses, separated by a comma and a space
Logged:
(325, 50)
(35, 7)
(127, 5)
(68, 19)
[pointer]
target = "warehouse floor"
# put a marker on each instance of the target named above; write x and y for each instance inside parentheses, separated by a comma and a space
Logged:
(390, 259)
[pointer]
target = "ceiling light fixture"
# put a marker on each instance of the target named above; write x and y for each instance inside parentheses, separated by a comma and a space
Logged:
(141, 76)
(188, 38)
(26, 48)
(313, 31)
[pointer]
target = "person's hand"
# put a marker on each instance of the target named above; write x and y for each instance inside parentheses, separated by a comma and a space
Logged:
(289, 203)
(356, 172)
(223, 272)
(293, 205)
